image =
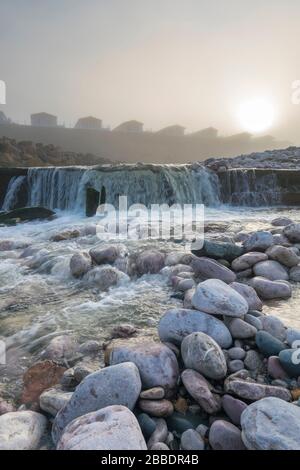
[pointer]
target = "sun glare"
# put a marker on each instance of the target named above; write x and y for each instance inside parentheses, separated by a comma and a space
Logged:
(256, 115)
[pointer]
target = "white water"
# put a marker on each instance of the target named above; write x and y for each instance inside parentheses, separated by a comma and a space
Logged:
(13, 189)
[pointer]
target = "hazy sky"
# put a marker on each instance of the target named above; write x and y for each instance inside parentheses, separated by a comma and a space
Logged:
(190, 62)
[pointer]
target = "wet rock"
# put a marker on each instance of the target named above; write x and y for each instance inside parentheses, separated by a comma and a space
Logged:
(240, 329)
(281, 222)
(290, 361)
(158, 408)
(233, 408)
(21, 430)
(283, 255)
(59, 348)
(191, 440)
(115, 385)
(274, 326)
(157, 364)
(258, 241)
(80, 264)
(248, 260)
(201, 390)
(104, 277)
(219, 250)
(178, 323)
(53, 400)
(26, 213)
(249, 294)
(207, 268)
(176, 257)
(275, 369)
(235, 365)
(295, 274)
(268, 290)
(111, 428)
(236, 353)
(215, 297)
(89, 348)
(268, 345)
(292, 232)
(68, 381)
(292, 335)
(201, 353)
(225, 436)
(147, 425)
(38, 378)
(155, 393)
(271, 270)
(65, 235)
(105, 254)
(160, 433)
(123, 331)
(271, 424)
(253, 391)
(253, 361)
(150, 262)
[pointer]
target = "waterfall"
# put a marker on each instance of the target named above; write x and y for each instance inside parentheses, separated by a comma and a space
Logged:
(12, 192)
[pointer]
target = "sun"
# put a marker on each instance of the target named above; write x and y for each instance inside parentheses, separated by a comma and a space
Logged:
(256, 115)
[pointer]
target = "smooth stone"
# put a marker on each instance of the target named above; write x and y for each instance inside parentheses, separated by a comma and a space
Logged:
(254, 391)
(274, 326)
(241, 275)
(275, 369)
(248, 260)
(21, 430)
(249, 294)
(253, 361)
(219, 250)
(258, 241)
(240, 329)
(281, 221)
(268, 290)
(295, 274)
(207, 268)
(200, 389)
(292, 232)
(225, 436)
(292, 335)
(235, 365)
(233, 408)
(105, 255)
(202, 429)
(90, 348)
(175, 324)
(111, 428)
(157, 408)
(178, 423)
(114, 385)
(104, 277)
(290, 361)
(160, 433)
(147, 424)
(271, 424)
(271, 270)
(201, 353)
(217, 298)
(236, 353)
(283, 255)
(176, 257)
(159, 446)
(191, 440)
(150, 262)
(185, 284)
(80, 264)
(155, 393)
(254, 321)
(157, 364)
(53, 400)
(268, 345)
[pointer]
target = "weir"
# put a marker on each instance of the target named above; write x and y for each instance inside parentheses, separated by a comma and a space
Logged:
(82, 189)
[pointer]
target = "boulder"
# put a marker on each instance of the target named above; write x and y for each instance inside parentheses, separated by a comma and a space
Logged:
(283, 255)
(271, 424)
(274, 326)
(178, 323)
(201, 353)
(249, 295)
(271, 270)
(225, 436)
(268, 290)
(240, 329)
(281, 222)
(105, 254)
(80, 264)
(292, 232)
(111, 428)
(295, 274)
(207, 268)
(38, 378)
(219, 250)
(215, 297)
(157, 364)
(104, 277)
(21, 430)
(26, 213)
(115, 385)
(201, 390)
(258, 241)
(150, 262)
(248, 260)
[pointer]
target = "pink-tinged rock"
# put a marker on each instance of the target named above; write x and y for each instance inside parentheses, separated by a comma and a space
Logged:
(150, 262)
(105, 254)
(268, 290)
(207, 268)
(275, 369)
(248, 260)
(157, 408)
(80, 264)
(233, 408)
(254, 391)
(225, 436)
(249, 295)
(200, 389)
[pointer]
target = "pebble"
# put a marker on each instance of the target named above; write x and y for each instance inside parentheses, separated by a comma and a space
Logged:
(233, 408)
(201, 390)
(225, 436)
(268, 345)
(157, 408)
(236, 353)
(191, 440)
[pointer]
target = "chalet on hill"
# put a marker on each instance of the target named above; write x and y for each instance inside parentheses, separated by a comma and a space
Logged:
(176, 130)
(43, 120)
(130, 126)
(89, 122)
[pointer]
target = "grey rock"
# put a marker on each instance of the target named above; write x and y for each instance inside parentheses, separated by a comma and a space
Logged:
(274, 326)
(253, 361)
(254, 321)
(292, 335)
(225, 436)
(21, 430)
(105, 254)
(271, 270)
(268, 290)
(281, 222)
(258, 241)
(201, 390)
(207, 268)
(150, 261)
(104, 277)
(254, 391)
(240, 329)
(233, 408)
(248, 260)
(160, 433)
(53, 400)
(292, 232)
(249, 294)
(191, 440)
(236, 353)
(268, 344)
(295, 274)
(219, 250)
(283, 255)
(235, 365)
(80, 264)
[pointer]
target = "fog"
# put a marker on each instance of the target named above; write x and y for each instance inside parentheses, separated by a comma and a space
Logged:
(162, 62)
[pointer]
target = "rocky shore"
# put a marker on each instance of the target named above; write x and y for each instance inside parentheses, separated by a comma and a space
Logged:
(219, 374)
